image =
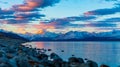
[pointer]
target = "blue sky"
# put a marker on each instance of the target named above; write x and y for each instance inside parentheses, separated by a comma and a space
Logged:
(38, 16)
(67, 8)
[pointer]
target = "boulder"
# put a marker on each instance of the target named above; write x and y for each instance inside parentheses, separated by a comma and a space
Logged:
(92, 63)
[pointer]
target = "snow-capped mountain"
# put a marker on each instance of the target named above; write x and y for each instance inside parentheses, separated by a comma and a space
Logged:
(74, 35)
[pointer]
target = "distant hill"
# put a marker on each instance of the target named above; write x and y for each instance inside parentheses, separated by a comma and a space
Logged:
(11, 38)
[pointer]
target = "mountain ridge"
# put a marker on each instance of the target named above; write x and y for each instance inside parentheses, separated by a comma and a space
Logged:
(77, 36)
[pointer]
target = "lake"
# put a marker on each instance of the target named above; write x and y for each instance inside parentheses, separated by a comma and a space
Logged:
(100, 52)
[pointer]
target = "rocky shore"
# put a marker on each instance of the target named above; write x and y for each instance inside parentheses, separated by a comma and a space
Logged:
(13, 54)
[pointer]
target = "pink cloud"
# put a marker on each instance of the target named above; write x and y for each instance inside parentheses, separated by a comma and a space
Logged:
(31, 5)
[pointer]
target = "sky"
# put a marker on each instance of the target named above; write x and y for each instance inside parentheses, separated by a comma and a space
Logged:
(59, 16)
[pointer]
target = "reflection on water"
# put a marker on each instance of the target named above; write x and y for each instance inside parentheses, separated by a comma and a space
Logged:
(101, 52)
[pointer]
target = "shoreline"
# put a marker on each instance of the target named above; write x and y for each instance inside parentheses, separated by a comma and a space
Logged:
(20, 56)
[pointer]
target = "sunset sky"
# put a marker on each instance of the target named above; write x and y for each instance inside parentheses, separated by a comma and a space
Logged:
(59, 16)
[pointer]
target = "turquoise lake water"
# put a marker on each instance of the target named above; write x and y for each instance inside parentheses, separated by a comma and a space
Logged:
(100, 52)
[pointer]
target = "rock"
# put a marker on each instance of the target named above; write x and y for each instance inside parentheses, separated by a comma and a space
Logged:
(73, 55)
(92, 63)
(57, 61)
(55, 57)
(49, 49)
(65, 64)
(13, 62)
(74, 59)
(9, 56)
(84, 65)
(5, 65)
(80, 60)
(103, 65)
(33, 63)
(75, 62)
(42, 57)
(22, 61)
(2, 53)
(47, 64)
(62, 50)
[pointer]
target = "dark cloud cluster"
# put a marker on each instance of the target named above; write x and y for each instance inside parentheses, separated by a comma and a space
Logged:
(67, 20)
(80, 18)
(112, 20)
(106, 11)
(6, 17)
(14, 21)
(98, 24)
(33, 5)
(28, 15)
(103, 12)
(6, 11)
(49, 3)
(28, 11)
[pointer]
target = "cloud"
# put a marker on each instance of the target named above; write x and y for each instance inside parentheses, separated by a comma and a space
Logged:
(100, 25)
(67, 20)
(116, 2)
(49, 3)
(80, 18)
(6, 11)
(18, 18)
(33, 5)
(44, 26)
(106, 11)
(28, 15)
(6, 17)
(14, 21)
(93, 24)
(112, 20)
(26, 12)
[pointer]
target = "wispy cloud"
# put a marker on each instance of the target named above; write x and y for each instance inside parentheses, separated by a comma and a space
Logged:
(106, 11)
(33, 5)
(112, 20)
(6, 11)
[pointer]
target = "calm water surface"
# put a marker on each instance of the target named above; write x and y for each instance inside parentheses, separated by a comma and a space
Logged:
(101, 52)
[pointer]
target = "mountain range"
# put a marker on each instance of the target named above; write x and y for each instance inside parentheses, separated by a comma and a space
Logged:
(69, 36)
(74, 36)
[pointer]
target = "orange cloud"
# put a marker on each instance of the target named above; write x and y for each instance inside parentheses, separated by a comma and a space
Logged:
(34, 3)
(44, 26)
(21, 30)
(29, 28)
(88, 13)
(24, 8)
(29, 5)
(19, 18)
(40, 31)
